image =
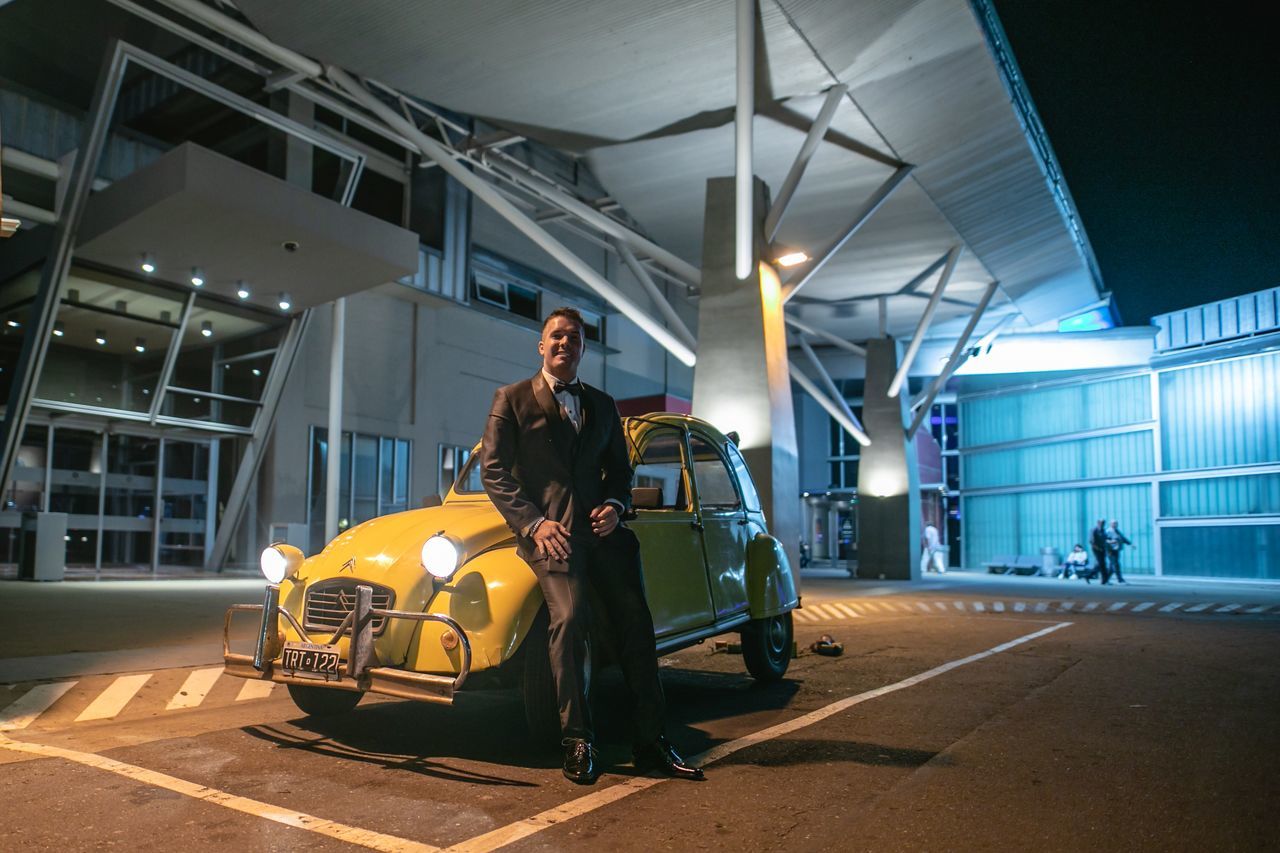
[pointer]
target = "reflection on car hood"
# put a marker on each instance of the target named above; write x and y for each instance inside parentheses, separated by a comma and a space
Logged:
(378, 544)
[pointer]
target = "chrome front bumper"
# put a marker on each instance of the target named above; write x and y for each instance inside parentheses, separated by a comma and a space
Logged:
(361, 673)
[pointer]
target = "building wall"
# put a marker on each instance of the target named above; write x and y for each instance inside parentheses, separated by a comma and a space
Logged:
(1186, 457)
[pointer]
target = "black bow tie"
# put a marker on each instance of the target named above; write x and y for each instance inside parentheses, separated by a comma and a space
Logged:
(574, 387)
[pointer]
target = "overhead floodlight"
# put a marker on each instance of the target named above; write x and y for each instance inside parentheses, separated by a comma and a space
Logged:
(140, 344)
(792, 259)
(206, 329)
(197, 277)
(285, 301)
(148, 263)
(242, 290)
(59, 329)
(100, 338)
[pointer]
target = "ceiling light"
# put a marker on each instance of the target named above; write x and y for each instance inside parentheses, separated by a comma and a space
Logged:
(140, 344)
(59, 329)
(148, 263)
(100, 337)
(242, 290)
(257, 372)
(13, 324)
(285, 302)
(197, 277)
(791, 259)
(206, 329)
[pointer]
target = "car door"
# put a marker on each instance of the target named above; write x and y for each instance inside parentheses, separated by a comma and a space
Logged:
(670, 542)
(726, 526)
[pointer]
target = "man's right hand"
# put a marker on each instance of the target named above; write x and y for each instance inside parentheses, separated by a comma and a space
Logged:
(552, 540)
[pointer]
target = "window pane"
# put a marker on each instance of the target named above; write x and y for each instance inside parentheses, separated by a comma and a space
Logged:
(715, 483)
(744, 479)
(366, 478)
(387, 472)
(402, 472)
(661, 466)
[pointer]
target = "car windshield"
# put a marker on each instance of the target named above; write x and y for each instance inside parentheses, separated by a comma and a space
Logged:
(468, 482)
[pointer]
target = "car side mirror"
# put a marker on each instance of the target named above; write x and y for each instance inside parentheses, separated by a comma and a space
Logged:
(432, 500)
(646, 497)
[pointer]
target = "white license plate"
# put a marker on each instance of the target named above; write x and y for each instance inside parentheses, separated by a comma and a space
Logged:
(312, 659)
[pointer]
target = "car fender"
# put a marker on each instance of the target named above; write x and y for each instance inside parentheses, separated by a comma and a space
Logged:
(494, 598)
(771, 586)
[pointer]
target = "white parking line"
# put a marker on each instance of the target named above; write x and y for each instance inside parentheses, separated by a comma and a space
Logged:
(514, 832)
(1227, 608)
(262, 689)
(112, 700)
(301, 820)
(1169, 608)
(1146, 605)
(195, 688)
(32, 704)
(1197, 608)
(847, 611)
(1119, 605)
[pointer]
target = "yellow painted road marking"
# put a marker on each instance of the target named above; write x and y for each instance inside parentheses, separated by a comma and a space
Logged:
(300, 820)
(195, 688)
(826, 611)
(32, 704)
(801, 615)
(259, 689)
(514, 832)
(112, 700)
(869, 606)
(847, 611)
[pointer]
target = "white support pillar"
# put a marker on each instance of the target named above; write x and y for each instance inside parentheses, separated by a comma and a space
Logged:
(744, 161)
(923, 326)
(333, 466)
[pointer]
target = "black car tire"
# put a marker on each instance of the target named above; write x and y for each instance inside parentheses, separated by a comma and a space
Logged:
(766, 646)
(538, 686)
(324, 701)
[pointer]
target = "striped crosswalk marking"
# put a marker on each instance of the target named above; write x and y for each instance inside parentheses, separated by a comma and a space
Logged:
(1092, 605)
(979, 606)
(868, 606)
(112, 700)
(998, 606)
(1066, 606)
(798, 615)
(959, 605)
(1258, 609)
(923, 606)
(32, 704)
(1169, 608)
(1018, 606)
(1197, 608)
(1227, 608)
(847, 611)
(941, 605)
(1041, 607)
(195, 688)
(826, 610)
(1146, 605)
(262, 689)
(1119, 605)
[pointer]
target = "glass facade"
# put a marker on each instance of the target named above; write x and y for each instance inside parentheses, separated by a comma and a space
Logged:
(373, 480)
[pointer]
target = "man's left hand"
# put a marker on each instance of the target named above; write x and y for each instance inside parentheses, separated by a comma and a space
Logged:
(604, 519)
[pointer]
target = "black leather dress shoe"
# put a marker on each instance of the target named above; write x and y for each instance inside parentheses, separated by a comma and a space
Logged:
(580, 762)
(660, 755)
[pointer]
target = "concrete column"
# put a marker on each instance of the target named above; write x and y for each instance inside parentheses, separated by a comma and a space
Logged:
(888, 479)
(741, 382)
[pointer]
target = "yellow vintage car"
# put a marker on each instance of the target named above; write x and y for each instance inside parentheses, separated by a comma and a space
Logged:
(414, 604)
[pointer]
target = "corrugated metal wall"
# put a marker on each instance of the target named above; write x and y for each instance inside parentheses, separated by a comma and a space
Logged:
(1055, 411)
(1216, 496)
(1131, 506)
(989, 529)
(1223, 551)
(1090, 458)
(1221, 413)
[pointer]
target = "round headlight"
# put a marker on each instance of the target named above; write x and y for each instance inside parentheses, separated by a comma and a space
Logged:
(440, 556)
(279, 562)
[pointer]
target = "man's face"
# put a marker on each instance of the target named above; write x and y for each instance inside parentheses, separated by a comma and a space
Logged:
(561, 348)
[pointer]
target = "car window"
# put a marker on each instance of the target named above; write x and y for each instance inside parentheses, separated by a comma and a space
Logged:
(715, 482)
(468, 482)
(745, 483)
(661, 465)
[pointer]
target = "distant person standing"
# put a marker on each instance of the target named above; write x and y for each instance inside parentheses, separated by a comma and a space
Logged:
(1098, 545)
(931, 554)
(1115, 543)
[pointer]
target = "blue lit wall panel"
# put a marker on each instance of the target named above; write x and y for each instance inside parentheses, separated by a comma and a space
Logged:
(1221, 413)
(1055, 411)
(1229, 551)
(1131, 506)
(1050, 520)
(1255, 495)
(1090, 458)
(988, 532)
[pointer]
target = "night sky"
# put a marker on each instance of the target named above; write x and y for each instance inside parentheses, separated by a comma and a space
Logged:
(1165, 121)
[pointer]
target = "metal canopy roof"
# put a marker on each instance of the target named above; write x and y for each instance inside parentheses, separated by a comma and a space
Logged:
(645, 89)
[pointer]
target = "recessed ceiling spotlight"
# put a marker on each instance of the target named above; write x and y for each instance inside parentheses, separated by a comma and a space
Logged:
(206, 329)
(791, 259)
(140, 344)
(197, 277)
(242, 290)
(100, 338)
(257, 372)
(13, 324)
(285, 302)
(148, 262)
(59, 329)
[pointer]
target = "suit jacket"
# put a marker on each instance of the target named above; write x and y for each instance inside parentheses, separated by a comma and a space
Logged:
(534, 464)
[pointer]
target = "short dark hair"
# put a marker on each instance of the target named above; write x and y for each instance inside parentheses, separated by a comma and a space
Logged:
(570, 314)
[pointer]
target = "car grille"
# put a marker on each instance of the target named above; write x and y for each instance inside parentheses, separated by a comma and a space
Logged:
(329, 602)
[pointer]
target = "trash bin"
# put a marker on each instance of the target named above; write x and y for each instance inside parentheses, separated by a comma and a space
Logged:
(42, 546)
(1050, 561)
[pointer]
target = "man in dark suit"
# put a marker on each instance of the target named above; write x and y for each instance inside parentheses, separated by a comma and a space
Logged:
(1098, 545)
(554, 462)
(1115, 542)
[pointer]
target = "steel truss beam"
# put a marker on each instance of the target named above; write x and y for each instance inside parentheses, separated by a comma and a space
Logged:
(658, 298)
(922, 405)
(859, 433)
(817, 131)
(829, 406)
(834, 340)
(925, 319)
